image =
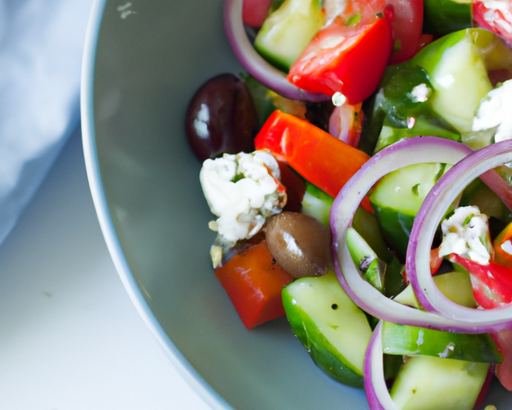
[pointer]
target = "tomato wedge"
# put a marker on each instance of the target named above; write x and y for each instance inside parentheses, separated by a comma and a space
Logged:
(254, 12)
(503, 340)
(492, 283)
(346, 58)
(407, 27)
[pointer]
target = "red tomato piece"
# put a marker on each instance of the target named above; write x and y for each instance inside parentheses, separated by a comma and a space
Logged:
(253, 282)
(353, 12)
(319, 157)
(492, 283)
(495, 16)
(503, 340)
(345, 58)
(254, 12)
(407, 26)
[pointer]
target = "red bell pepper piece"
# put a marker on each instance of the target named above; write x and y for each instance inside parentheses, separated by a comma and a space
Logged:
(346, 57)
(492, 283)
(253, 282)
(320, 158)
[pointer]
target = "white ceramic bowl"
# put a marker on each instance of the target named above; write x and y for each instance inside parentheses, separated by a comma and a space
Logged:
(143, 61)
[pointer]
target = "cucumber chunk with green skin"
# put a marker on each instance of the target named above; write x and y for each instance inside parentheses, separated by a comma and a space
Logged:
(437, 92)
(406, 340)
(397, 199)
(317, 203)
(458, 65)
(365, 259)
(446, 16)
(334, 331)
(427, 382)
(288, 30)
(455, 285)
(422, 126)
(386, 278)
(367, 225)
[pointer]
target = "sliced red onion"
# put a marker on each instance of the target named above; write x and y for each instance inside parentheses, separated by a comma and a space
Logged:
(406, 152)
(375, 386)
(256, 65)
(426, 222)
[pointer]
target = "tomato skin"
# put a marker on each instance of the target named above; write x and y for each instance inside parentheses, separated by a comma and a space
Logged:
(254, 12)
(492, 283)
(407, 28)
(253, 282)
(336, 60)
(503, 340)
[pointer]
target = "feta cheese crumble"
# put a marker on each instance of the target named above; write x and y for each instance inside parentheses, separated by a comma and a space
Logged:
(242, 190)
(466, 233)
(493, 114)
(420, 93)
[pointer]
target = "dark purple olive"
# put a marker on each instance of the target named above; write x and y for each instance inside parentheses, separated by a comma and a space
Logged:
(299, 243)
(221, 117)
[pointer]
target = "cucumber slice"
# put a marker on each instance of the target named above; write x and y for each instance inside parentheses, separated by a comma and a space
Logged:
(455, 285)
(365, 259)
(427, 382)
(457, 70)
(422, 126)
(398, 196)
(334, 331)
(412, 341)
(366, 224)
(287, 31)
(317, 203)
(387, 278)
(454, 100)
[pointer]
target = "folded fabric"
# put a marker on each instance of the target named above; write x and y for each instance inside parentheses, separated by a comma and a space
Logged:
(41, 44)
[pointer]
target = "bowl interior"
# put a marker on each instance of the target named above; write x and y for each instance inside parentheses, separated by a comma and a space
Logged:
(146, 60)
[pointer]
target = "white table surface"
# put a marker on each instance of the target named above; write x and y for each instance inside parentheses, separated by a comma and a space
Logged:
(70, 337)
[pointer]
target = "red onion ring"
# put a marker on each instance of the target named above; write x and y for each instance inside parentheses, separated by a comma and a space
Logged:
(368, 298)
(425, 225)
(256, 65)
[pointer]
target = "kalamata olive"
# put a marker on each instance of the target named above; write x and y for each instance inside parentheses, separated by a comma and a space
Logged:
(299, 243)
(221, 117)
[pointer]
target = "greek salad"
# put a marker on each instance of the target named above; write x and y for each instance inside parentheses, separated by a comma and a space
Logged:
(360, 175)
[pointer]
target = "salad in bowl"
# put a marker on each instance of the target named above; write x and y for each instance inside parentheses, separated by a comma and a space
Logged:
(359, 174)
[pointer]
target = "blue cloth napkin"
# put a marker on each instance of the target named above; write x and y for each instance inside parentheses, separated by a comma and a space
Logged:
(41, 43)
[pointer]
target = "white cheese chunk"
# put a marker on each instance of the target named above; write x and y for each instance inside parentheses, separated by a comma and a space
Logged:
(466, 233)
(242, 190)
(494, 113)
